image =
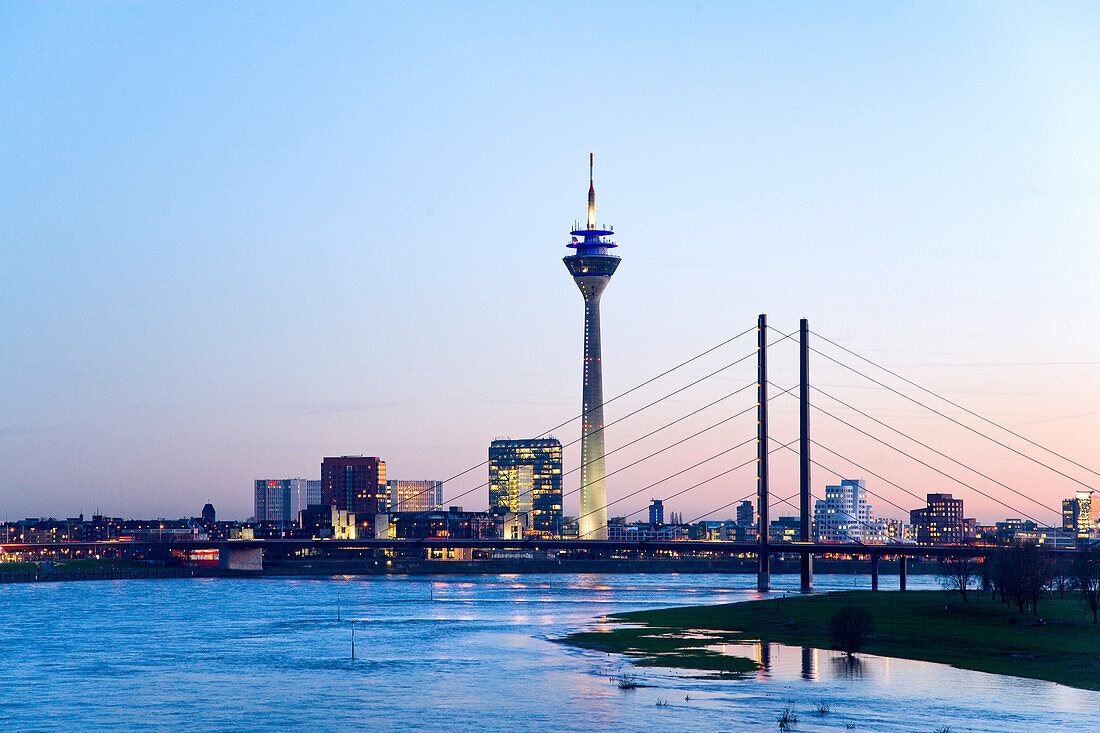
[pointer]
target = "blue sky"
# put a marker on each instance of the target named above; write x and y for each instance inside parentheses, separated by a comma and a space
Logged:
(238, 237)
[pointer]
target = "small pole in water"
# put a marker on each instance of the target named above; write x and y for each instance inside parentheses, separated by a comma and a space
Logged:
(431, 591)
(337, 606)
(353, 640)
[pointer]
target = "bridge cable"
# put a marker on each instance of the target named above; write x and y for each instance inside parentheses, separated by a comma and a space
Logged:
(606, 402)
(721, 422)
(957, 405)
(925, 445)
(953, 420)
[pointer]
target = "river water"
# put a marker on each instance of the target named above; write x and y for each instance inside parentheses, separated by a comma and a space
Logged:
(467, 653)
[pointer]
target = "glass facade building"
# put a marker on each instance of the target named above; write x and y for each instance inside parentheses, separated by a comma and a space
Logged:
(525, 477)
(414, 496)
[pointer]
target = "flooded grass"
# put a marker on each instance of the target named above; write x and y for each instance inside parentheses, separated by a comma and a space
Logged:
(922, 625)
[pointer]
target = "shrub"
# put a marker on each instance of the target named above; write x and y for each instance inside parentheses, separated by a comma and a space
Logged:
(850, 626)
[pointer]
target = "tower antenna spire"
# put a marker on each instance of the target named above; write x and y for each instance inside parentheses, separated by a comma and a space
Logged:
(591, 190)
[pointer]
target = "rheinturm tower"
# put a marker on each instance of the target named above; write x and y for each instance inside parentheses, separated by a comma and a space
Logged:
(592, 267)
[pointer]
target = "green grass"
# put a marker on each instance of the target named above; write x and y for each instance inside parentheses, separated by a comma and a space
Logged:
(88, 564)
(18, 567)
(909, 625)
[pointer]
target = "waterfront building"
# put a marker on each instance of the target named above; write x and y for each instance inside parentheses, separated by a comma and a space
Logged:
(414, 496)
(844, 514)
(885, 531)
(313, 493)
(209, 516)
(1081, 515)
(639, 531)
(784, 529)
(326, 521)
(273, 500)
(940, 522)
(525, 478)
(281, 500)
(1054, 537)
(592, 267)
(746, 514)
(355, 484)
(452, 523)
(656, 512)
(1005, 532)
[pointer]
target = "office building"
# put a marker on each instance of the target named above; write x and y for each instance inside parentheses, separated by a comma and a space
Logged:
(414, 496)
(746, 514)
(1081, 515)
(355, 484)
(275, 504)
(525, 478)
(592, 267)
(940, 522)
(656, 512)
(273, 500)
(844, 514)
(784, 529)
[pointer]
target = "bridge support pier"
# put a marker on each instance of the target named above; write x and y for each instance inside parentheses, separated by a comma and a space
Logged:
(763, 565)
(240, 558)
(804, 525)
(874, 572)
(903, 570)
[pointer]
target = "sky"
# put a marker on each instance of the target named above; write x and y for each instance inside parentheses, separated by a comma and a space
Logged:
(238, 237)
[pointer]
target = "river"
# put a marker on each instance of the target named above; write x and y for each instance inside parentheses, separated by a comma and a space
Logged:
(465, 653)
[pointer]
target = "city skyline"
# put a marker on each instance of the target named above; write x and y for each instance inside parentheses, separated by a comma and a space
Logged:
(237, 267)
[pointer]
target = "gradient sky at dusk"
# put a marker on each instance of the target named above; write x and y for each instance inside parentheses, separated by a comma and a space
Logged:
(240, 237)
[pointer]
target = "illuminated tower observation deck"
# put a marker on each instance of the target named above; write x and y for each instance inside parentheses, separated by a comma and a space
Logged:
(592, 267)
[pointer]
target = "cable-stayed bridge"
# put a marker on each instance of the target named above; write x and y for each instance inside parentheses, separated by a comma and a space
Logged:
(727, 436)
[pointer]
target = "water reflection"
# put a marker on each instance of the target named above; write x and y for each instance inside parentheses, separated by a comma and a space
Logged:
(847, 668)
(809, 663)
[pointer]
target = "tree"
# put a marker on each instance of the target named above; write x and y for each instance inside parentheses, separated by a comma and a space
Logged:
(957, 572)
(1063, 576)
(1021, 573)
(1086, 575)
(850, 626)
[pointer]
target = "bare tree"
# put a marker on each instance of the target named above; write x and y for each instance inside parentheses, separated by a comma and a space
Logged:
(1022, 572)
(956, 573)
(1086, 572)
(1063, 576)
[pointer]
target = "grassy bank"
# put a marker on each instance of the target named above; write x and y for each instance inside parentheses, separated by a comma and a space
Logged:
(910, 625)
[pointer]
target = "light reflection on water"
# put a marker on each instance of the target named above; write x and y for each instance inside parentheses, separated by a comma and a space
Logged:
(458, 653)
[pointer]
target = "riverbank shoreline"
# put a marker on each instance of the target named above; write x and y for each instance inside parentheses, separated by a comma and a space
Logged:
(931, 626)
(31, 572)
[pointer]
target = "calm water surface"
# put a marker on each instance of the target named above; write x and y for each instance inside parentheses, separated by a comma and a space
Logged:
(448, 653)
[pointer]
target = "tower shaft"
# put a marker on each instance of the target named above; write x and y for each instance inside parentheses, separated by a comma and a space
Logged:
(593, 510)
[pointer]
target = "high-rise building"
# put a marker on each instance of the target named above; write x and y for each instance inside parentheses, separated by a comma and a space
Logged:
(746, 515)
(274, 500)
(414, 496)
(355, 484)
(525, 477)
(592, 267)
(313, 493)
(279, 506)
(940, 522)
(656, 512)
(844, 514)
(1081, 515)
